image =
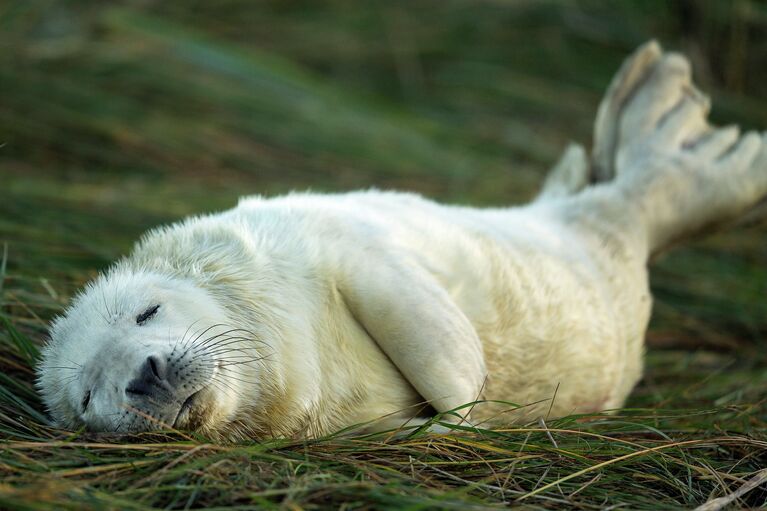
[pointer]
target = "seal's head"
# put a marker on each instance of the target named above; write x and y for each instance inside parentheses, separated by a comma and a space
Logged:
(140, 351)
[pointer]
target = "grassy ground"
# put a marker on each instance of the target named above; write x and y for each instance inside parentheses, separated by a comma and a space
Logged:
(115, 117)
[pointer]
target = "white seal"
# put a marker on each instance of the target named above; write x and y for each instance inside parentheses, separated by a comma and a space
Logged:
(302, 314)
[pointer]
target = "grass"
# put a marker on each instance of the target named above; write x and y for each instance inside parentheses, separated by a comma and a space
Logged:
(117, 117)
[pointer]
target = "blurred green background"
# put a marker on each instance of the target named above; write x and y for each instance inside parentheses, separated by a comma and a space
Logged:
(118, 116)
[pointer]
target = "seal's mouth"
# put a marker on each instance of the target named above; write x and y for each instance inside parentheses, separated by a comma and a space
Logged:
(186, 408)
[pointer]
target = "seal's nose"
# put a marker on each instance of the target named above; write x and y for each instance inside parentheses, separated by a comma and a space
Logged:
(152, 376)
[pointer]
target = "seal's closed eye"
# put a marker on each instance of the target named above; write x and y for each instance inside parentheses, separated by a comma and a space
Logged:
(147, 315)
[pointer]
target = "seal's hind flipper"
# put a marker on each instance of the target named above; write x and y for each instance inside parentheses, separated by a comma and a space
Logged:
(631, 75)
(574, 171)
(569, 176)
(660, 160)
(686, 176)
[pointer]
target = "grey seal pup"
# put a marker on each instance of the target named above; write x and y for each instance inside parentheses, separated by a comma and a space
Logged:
(302, 314)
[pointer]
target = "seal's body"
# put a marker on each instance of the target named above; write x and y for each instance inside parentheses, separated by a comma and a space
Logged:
(541, 301)
(303, 314)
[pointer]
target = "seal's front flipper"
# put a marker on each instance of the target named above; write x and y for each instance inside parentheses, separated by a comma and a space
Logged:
(417, 324)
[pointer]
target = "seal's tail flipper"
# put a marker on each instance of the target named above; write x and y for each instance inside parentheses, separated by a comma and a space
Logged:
(685, 175)
(653, 144)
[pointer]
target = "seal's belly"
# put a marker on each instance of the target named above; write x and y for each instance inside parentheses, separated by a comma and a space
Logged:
(549, 319)
(544, 330)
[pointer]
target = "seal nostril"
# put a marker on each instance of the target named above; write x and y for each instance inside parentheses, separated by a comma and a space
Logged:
(150, 378)
(86, 400)
(153, 370)
(153, 366)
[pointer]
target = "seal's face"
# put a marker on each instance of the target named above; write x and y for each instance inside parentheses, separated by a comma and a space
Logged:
(140, 352)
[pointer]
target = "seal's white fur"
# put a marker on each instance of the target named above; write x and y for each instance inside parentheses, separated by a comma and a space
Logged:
(363, 305)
